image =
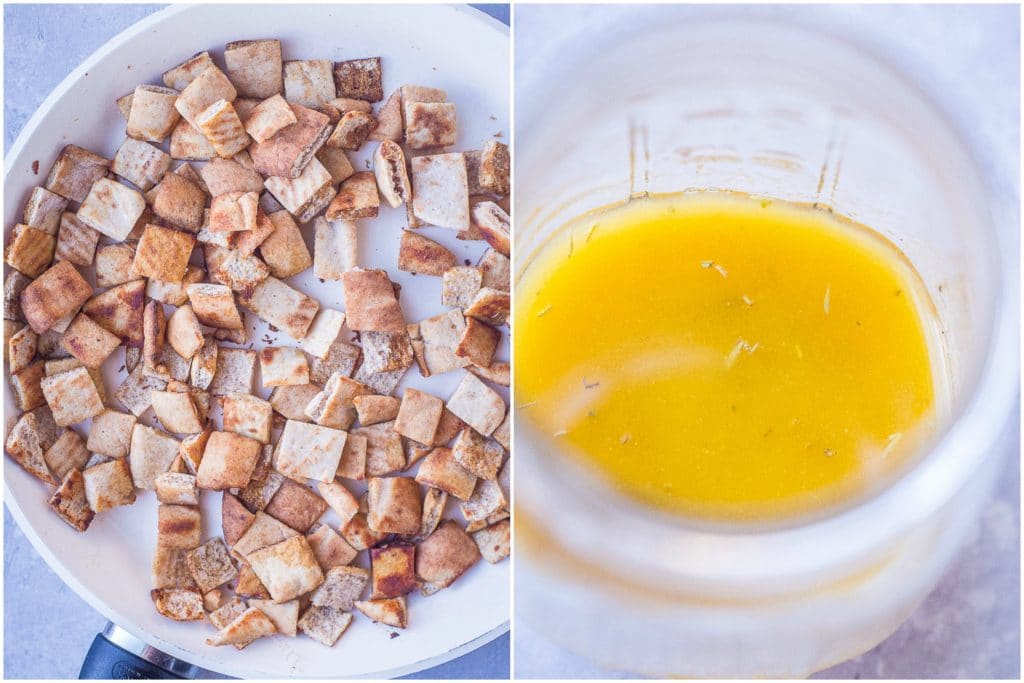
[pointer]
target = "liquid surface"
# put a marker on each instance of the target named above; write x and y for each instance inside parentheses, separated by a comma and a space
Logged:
(725, 357)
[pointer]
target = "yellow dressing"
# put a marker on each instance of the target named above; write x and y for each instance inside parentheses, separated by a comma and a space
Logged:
(726, 357)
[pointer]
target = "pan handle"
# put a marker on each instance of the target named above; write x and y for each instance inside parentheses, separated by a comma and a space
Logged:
(116, 654)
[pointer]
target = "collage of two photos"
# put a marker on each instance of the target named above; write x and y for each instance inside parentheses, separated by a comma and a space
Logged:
(287, 286)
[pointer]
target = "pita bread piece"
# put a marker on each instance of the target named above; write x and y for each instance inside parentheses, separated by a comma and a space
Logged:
(75, 171)
(440, 194)
(288, 569)
(310, 450)
(255, 67)
(371, 302)
(54, 295)
(444, 556)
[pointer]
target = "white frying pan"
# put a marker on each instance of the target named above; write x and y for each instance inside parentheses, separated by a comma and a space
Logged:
(456, 48)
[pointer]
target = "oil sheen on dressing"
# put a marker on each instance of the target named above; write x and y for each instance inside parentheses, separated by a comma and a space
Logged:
(727, 357)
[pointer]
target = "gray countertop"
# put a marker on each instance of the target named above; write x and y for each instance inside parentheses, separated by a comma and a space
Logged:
(968, 58)
(47, 627)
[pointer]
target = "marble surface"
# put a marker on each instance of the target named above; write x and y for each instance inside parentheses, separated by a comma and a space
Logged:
(47, 627)
(968, 59)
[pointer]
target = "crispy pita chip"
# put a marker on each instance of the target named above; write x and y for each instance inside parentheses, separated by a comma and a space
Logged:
(72, 396)
(440, 470)
(459, 286)
(389, 611)
(54, 295)
(441, 335)
(180, 202)
(477, 405)
(178, 526)
(282, 306)
(177, 488)
(70, 503)
(419, 416)
(352, 130)
(310, 450)
(68, 452)
(163, 253)
(43, 210)
(494, 223)
(440, 191)
(21, 349)
(473, 452)
(330, 548)
(384, 453)
(235, 518)
(177, 412)
(392, 176)
(491, 306)
(340, 500)
(229, 175)
(373, 409)
(357, 198)
(247, 627)
(214, 305)
(309, 82)
(353, 458)
(434, 501)
(285, 616)
(189, 144)
(25, 445)
(264, 531)
(371, 302)
(119, 310)
(254, 67)
(88, 342)
(478, 343)
(109, 485)
(495, 168)
(495, 541)
(269, 116)
(337, 163)
(228, 461)
(296, 506)
(341, 587)
(325, 624)
(205, 89)
(178, 604)
(135, 390)
(394, 505)
(444, 556)
(486, 500)
(27, 386)
(334, 248)
(393, 568)
(417, 254)
(359, 79)
(291, 149)
(285, 250)
(288, 569)
(75, 171)
(140, 163)
(283, 366)
(114, 264)
(389, 119)
(30, 250)
(247, 415)
(234, 212)
(290, 401)
(210, 565)
(204, 365)
(429, 125)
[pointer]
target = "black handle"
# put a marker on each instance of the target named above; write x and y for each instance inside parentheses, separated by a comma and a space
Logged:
(106, 660)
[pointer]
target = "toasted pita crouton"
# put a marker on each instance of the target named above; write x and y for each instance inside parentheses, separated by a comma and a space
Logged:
(181, 75)
(495, 541)
(352, 130)
(495, 168)
(176, 412)
(309, 82)
(282, 306)
(394, 505)
(417, 254)
(288, 569)
(68, 453)
(441, 335)
(163, 253)
(291, 400)
(214, 305)
(152, 115)
(359, 535)
(283, 366)
(285, 251)
(109, 485)
(213, 600)
(222, 126)
(305, 195)
(189, 143)
(248, 584)
(284, 616)
(384, 453)
(296, 506)
(170, 570)
(341, 587)
(235, 519)
(228, 461)
(472, 452)
(389, 611)
(353, 458)
(386, 351)
(325, 625)
(119, 310)
(393, 570)
(70, 503)
(140, 163)
(224, 176)
(371, 302)
(359, 79)
(134, 391)
(310, 450)
(440, 470)
(444, 556)
(175, 488)
(374, 409)
(340, 500)
(247, 627)
(264, 531)
(72, 396)
(340, 357)
(27, 385)
(429, 125)
(204, 365)
(154, 328)
(208, 87)
(269, 116)
(490, 305)
(433, 508)
(331, 549)
(389, 119)
(247, 415)
(473, 175)
(478, 342)
(336, 162)
(487, 499)
(496, 269)
(357, 198)
(178, 604)
(184, 333)
(494, 224)
(150, 454)
(75, 171)
(290, 150)
(261, 490)
(21, 348)
(14, 284)
(233, 212)
(242, 273)
(228, 612)
(440, 194)
(88, 342)
(30, 250)
(113, 264)
(477, 405)
(459, 286)
(334, 248)
(254, 67)
(418, 416)
(186, 171)
(391, 174)
(181, 203)
(76, 241)
(24, 444)
(210, 565)
(43, 210)
(447, 428)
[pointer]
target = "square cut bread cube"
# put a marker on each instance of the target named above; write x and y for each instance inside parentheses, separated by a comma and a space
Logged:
(178, 527)
(440, 194)
(180, 202)
(76, 241)
(30, 250)
(214, 305)
(477, 454)
(394, 505)
(109, 485)
(334, 248)
(247, 415)
(341, 587)
(43, 210)
(68, 453)
(70, 502)
(152, 116)
(444, 556)
(357, 198)
(150, 455)
(282, 306)
(296, 505)
(477, 405)
(255, 67)
(309, 82)
(269, 116)
(371, 302)
(309, 450)
(359, 79)
(228, 461)
(285, 250)
(114, 264)
(208, 87)
(176, 411)
(176, 488)
(163, 254)
(235, 371)
(305, 195)
(429, 125)
(418, 416)
(291, 149)
(394, 571)
(325, 625)
(140, 163)
(283, 366)
(221, 125)
(72, 396)
(75, 171)
(88, 342)
(288, 569)
(188, 143)
(210, 565)
(441, 470)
